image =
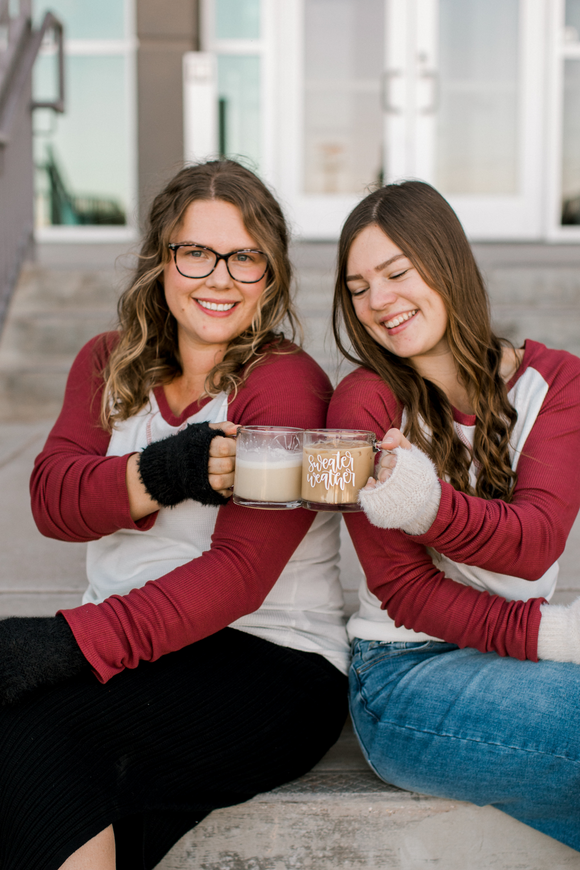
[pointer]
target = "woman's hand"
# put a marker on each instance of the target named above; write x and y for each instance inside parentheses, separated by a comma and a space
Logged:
(407, 493)
(222, 458)
(393, 438)
(178, 468)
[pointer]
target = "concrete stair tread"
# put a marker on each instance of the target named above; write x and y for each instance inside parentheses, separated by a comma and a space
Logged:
(323, 784)
(17, 360)
(339, 817)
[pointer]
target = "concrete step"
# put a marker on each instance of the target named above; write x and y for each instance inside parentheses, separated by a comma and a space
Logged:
(38, 576)
(341, 815)
(41, 287)
(52, 314)
(52, 333)
(32, 388)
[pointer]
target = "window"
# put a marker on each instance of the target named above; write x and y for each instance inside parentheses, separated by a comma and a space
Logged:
(86, 158)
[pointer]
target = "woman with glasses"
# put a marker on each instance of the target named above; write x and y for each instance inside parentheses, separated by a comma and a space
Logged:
(464, 680)
(208, 660)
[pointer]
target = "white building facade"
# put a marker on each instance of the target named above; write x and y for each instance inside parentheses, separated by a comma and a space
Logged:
(325, 98)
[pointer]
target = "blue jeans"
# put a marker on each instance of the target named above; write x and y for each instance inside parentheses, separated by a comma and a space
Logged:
(471, 726)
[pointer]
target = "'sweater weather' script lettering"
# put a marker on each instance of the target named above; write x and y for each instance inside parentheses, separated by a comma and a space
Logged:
(334, 470)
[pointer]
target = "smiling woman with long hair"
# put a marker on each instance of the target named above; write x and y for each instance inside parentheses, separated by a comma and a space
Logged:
(207, 662)
(464, 680)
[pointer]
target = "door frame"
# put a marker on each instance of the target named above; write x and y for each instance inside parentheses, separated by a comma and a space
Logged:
(558, 52)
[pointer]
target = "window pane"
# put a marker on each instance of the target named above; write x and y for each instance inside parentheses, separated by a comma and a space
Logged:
(86, 19)
(572, 20)
(82, 157)
(571, 144)
(478, 101)
(239, 106)
(344, 53)
(237, 19)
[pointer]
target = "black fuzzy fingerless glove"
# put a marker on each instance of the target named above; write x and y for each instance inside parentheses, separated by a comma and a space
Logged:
(36, 651)
(175, 469)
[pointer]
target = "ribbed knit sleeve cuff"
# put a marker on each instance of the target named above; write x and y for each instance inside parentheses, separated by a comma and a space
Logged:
(90, 624)
(533, 629)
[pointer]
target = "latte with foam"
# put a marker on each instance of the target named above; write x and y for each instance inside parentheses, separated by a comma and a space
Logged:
(273, 477)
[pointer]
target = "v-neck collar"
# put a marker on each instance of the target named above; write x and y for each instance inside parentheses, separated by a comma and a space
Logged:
(168, 414)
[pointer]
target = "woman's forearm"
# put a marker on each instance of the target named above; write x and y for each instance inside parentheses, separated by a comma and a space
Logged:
(140, 502)
(249, 552)
(416, 594)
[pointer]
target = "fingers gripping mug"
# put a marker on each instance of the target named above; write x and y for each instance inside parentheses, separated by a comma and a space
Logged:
(268, 467)
(337, 464)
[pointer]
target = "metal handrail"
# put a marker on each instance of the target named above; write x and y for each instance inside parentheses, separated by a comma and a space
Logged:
(19, 79)
(19, 47)
(52, 23)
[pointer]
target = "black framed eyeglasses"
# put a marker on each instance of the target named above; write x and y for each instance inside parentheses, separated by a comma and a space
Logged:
(196, 261)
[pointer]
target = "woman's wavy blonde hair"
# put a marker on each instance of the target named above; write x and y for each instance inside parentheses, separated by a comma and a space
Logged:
(426, 229)
(146, 354)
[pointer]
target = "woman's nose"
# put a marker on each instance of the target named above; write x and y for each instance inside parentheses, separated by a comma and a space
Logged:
(220, 277)
(380, 295)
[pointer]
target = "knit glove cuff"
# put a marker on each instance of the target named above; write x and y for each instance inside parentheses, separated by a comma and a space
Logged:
(409, 498)
(175, 469)
(559, 635)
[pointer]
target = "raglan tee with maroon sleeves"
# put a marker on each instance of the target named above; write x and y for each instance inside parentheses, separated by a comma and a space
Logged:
(184, 573)
(478, 576)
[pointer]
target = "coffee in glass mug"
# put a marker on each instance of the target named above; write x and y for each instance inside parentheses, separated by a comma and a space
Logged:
(337, 464)
(268, 467)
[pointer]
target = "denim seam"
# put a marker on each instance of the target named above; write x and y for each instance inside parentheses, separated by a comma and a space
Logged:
(363, 698)
(479, 742)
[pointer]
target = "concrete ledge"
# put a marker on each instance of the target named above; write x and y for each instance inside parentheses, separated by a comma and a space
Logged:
(405, 832)
(341, 815)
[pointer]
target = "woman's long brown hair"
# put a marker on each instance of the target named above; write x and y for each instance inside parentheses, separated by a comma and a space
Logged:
(425, 228)
(147, 352)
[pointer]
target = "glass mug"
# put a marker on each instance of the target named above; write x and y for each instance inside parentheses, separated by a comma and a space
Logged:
(268, 467)
(337, 464)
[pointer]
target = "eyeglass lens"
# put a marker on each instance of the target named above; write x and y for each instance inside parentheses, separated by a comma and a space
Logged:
(196, 262)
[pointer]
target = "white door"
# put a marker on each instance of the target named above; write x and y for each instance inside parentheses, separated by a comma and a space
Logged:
(329, 121)
(464, 97)
(448, 91)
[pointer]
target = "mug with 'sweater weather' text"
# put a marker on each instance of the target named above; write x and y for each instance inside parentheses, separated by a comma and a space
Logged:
(337, 464)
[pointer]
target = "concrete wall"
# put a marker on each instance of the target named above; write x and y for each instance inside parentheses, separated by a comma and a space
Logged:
(165, 31)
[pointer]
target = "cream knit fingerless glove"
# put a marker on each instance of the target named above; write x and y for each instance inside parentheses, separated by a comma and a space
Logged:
(559, 635)
(409, 498)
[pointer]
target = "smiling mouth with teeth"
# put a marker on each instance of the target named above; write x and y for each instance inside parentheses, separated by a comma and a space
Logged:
(396, 321)
(216, 306)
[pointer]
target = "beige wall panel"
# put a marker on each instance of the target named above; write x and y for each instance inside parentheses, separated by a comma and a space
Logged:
(167, 19)
(165, 31)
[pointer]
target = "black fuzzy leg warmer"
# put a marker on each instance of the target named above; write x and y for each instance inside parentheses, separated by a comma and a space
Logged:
(36, 651)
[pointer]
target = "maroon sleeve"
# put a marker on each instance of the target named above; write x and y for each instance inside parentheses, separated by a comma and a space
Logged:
(417, 595)
(524, 538)
(77, 492)
(398, 567)
(249, 548)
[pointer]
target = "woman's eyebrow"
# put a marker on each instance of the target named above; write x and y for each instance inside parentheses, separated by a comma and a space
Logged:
(377, 268)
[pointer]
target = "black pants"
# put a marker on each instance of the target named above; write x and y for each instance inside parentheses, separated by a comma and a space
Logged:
(158, 748)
